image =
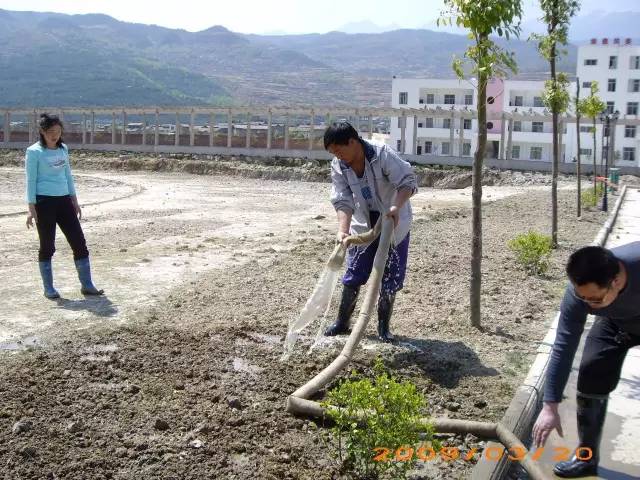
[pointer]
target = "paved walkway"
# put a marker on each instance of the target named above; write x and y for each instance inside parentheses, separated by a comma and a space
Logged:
(620, 448)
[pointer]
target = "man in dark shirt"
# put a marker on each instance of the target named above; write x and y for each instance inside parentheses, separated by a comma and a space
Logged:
(605, 283)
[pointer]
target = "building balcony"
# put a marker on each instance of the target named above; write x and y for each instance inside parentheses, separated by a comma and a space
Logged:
(447, 106)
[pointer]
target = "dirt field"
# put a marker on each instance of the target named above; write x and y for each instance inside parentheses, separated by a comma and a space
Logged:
(175, 373)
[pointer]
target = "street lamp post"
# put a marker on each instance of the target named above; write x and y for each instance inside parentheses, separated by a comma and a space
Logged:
(606, 117)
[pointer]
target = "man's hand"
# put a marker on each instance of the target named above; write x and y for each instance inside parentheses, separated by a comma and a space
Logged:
(32, 216)
(340, 236)
(394, 214)
(548, 420)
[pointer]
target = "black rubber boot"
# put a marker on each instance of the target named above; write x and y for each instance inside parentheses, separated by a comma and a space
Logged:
(347, 306)
(385, 308)
(591, 413)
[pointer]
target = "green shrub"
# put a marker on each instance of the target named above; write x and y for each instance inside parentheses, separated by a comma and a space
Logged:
(382, 413)
(532, 250)
(589, 198)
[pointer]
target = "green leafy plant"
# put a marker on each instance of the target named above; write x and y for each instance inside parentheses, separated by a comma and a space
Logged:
(590, 198)
(371, 415)
(533, 250)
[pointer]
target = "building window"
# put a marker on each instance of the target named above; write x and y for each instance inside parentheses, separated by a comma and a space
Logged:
(428, 147)
(634, 85)
(446, 123)
(428, 122)
(634, 62)
(517, 125)
(468, 99)
(585, 129)
(518, 100)
(418, 149)
(605, 152)
(537, 127)
(591, 61)
(449, 99)
(419, 124)
(611, 85)
(586, 84)
(630, 131)
(515, 151)
(445, 148)
(466, 149)
(400, 122)
(466, 124)
(404, 98)
(398, 145)
(489, 125)
(613, 62)
(585, 151)
(431, 98)
(537, 102)
(632, 108)
(611, 106)
(629, 153)
(536, 153)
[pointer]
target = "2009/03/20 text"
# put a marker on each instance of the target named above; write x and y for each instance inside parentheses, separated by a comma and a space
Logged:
(427, 453)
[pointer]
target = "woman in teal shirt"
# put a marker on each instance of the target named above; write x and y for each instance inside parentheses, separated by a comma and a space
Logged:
(52, 200)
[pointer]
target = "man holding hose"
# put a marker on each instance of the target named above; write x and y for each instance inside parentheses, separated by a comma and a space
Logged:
(368, 180)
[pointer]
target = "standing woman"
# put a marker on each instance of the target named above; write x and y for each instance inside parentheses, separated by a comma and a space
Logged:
(52, 201)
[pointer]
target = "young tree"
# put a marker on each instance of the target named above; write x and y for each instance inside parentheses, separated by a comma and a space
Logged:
(556, 15)
(591, 107)
(482, 18)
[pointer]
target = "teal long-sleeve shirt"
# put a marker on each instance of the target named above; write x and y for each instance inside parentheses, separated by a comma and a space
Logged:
(48, 172)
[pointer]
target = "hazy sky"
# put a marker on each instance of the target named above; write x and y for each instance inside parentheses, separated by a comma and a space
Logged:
(284, 16)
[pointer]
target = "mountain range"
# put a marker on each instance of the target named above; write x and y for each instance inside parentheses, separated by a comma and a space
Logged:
(51, 59)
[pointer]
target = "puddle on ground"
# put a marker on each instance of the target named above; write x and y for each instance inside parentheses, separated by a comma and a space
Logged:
(241, 365)
(22, 344)
(263, 337)
(101, 348)
(95, 358)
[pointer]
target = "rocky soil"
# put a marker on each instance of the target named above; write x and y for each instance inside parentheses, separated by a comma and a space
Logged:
(190, 385)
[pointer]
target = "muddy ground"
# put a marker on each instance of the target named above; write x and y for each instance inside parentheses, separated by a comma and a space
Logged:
(176, 374)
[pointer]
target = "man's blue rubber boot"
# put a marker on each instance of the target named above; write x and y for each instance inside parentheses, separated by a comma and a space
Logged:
(591, 412)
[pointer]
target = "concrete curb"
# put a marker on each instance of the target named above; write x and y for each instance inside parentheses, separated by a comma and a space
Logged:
(604, 232)
(527, 400)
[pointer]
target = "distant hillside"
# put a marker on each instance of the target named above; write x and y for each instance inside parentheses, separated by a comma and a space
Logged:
(54, 59)
(404, 52)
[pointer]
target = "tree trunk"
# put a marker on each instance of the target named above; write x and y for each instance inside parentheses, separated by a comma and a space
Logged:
(554, 169)
(578, 179)
(476, 240)
(603, 142)
(595, 165)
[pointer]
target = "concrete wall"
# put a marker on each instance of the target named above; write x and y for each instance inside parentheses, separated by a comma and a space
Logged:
(520, 165)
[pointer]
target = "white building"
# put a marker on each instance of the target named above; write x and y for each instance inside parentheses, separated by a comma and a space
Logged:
(615, 65)
(440, 113)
